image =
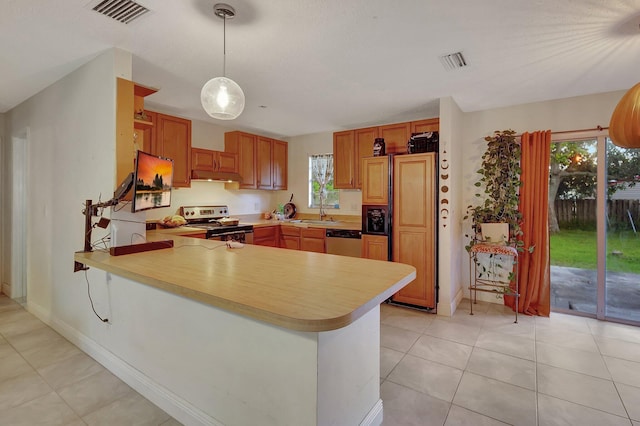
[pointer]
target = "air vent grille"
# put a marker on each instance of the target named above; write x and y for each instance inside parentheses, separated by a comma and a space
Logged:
(123, 11)
(453, 61)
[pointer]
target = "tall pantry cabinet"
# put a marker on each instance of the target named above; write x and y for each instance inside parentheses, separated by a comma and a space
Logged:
(415, 225)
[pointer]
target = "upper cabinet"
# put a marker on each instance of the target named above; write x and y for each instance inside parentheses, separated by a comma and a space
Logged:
(262, 161)
(173, 140)
(243, 144)
(351, 146)
(344, 154)
(213, 161)
(396, 137)
(427, 125)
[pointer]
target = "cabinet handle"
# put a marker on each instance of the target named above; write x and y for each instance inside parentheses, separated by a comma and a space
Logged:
(215, 164)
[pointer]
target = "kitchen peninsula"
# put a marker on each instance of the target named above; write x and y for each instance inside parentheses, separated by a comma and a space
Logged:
(254, 335)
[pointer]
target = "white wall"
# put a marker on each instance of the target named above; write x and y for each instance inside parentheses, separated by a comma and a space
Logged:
(300, 147)
(70, 157)
(582, 112)
(450, 209)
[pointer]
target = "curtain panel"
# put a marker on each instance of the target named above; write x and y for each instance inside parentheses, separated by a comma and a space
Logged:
(533, 268)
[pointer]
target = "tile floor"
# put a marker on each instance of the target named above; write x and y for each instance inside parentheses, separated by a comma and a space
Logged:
(486, 370)
(45, 380)
(464, 370)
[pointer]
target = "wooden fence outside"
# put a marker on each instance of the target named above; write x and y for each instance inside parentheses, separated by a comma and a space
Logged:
(584, 212)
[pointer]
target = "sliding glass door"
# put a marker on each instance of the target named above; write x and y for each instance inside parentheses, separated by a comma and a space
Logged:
(594, 210)
(622, 277)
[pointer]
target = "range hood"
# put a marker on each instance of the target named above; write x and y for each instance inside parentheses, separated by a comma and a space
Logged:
(215, 175)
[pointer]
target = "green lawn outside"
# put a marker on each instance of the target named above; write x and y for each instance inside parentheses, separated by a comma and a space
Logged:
(576, 248)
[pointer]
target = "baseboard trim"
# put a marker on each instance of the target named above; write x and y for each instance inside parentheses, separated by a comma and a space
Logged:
(456, 301)
(172, 404)
(374, 417)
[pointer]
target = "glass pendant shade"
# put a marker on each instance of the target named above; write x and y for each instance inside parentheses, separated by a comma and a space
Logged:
(222, 98)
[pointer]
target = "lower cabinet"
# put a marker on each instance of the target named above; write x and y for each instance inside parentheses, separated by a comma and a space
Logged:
(290, 237)
(375, 247)
(312, 239)
(266, 236)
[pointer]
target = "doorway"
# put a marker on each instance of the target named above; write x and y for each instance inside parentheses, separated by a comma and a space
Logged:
(19, 188)
(594, 214)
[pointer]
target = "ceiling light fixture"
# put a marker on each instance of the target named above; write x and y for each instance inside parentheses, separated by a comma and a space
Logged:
(221, 97)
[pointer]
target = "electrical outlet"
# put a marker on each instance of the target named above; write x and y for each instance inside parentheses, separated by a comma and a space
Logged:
(256, 207)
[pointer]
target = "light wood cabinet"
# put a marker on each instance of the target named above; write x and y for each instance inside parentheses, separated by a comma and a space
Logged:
(351, 146)
(262, 161)
(266, 236)
(243, 144)
(364, 139)
(313, 239)
(344, 154)
(375, 188)
(173, 140)
(414, 225)
(209, 160)
(396, 137)
(290, 237)
(427, 125)
(375, 247)
(280, 165)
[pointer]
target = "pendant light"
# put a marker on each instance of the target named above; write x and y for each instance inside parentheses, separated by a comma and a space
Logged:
(624, 127)
(221, 97)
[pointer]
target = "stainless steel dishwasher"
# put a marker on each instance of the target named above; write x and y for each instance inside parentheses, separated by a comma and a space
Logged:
(345, 242)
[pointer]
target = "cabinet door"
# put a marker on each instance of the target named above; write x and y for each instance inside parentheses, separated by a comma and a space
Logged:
(243, 144)
(265, 236)
(313, 239)
(174, 141)
(290, 242)
(312, 244)
(202, 159)
(343, 160)
(364, 139)
(264, 161)
(414, 225)
(375, 247)
(226, 162)
(280, 164)
(428, 125)
(375, 185)
(396, 137)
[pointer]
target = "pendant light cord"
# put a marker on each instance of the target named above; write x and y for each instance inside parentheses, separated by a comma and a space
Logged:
(224, 46)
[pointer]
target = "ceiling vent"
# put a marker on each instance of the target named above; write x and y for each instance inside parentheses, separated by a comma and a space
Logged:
(123, 11)
(453, 61)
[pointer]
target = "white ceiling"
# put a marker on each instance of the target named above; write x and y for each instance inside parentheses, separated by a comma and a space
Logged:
(324, 65)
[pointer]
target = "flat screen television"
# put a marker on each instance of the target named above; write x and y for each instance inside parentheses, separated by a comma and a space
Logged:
(153, 179)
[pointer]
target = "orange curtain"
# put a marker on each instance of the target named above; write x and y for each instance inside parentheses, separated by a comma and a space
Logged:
(533, 268)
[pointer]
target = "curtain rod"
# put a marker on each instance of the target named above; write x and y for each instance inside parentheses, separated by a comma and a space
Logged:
(598, 128)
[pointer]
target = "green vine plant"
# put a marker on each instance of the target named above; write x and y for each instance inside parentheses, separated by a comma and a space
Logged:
(500, 178)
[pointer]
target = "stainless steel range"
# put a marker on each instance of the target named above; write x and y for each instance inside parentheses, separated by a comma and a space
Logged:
(209, 218)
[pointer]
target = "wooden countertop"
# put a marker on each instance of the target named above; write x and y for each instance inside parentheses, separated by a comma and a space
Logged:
(293, 289)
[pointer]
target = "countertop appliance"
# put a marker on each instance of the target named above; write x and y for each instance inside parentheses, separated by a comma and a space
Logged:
(207, 217)
(345, 242)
